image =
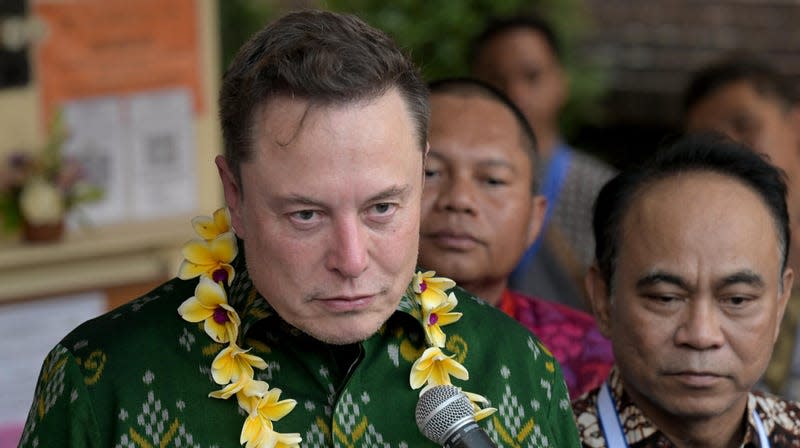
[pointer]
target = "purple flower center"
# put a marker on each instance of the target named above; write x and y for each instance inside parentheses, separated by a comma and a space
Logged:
(422, 287)
(433, 318)
(220, 315)
(220, 275)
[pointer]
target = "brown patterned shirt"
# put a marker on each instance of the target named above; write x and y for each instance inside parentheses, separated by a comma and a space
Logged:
(781, 420)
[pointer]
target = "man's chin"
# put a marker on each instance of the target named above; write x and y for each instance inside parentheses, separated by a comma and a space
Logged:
(345, 331)
(343, 338)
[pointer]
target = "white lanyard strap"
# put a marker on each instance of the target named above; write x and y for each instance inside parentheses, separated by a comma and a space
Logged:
(612, 427)
(609, 419)
(763, 441)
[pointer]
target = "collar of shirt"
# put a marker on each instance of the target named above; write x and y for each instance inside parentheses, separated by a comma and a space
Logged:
(639, 428)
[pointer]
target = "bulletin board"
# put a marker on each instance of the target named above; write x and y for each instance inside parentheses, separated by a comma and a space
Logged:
(102, 47)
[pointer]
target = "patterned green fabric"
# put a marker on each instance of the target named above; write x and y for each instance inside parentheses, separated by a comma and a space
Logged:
(139, 376)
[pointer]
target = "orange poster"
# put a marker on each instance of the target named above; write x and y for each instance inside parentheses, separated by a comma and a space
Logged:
(113, 47)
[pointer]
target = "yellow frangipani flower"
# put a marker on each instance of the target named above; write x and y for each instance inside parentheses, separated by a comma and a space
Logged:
(210, 227)
(478, 401)
(438, 317)
(244, 384)
(234, 363)
(263, 410)
(268, 406)
(269, 438)
(288, 440)
(209, 258)
(435, 368)
(210, 306)
(430, 290)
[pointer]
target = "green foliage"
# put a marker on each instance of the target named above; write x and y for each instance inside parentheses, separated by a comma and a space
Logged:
(239, 19)
(438, 35)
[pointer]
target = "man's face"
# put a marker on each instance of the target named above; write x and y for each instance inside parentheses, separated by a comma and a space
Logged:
(696, 301)
(478, 211)
(329, 212)
(520, 63)
(759, 121)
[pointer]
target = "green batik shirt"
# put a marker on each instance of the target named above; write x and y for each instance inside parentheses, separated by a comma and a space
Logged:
(139, 376)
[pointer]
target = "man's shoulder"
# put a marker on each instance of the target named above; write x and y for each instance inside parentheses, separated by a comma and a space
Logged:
(778, 414)
(587, 164)
(476, 311)
(133, 322)
(494, 337)
(586, 403)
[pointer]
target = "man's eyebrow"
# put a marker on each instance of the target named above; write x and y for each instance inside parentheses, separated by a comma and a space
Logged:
(656, 277)
(394, 191)
(488, 161)
(297, 199)
(746, 276)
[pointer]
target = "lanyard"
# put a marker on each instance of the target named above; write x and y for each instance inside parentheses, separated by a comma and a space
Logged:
(612, 428)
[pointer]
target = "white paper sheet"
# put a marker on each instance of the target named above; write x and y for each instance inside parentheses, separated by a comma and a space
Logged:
(29, 330)
(163, 167)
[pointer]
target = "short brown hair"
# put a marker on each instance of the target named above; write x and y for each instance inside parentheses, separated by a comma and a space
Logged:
(320, 56)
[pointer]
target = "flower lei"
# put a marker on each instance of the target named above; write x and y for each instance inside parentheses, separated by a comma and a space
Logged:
(210, 256)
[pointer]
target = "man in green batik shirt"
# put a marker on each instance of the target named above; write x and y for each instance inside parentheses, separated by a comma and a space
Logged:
(310, 327)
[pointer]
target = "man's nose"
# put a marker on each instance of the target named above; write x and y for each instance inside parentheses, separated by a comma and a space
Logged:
(700, 326)
(348, 251)
(458, 195)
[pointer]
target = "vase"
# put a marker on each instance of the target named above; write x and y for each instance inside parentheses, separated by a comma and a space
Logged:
(36, 233)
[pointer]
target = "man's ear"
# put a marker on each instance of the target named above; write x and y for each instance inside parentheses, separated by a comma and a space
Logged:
(783, 299)
(599, 299)
(538, 213)
(233, 194)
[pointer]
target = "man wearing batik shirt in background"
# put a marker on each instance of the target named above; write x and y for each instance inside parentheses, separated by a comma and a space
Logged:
(690, 284)
(481, 210)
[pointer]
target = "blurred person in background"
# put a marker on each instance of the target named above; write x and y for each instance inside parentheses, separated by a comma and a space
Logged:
(522, 57)
(747, 99)
(481, 211)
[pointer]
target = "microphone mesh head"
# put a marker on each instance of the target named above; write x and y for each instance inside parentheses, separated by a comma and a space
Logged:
(434, 420)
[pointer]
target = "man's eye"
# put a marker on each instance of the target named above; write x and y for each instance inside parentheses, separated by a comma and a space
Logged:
(494, 181)
(431, 173)
(737, 301)
(665, 299)
(304, 215)
(383, 208)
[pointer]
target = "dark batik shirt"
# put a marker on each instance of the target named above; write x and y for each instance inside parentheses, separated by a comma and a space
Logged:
(139, 376)
(781, 420)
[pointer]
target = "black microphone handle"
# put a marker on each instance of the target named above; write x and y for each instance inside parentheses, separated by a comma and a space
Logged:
(469, 436)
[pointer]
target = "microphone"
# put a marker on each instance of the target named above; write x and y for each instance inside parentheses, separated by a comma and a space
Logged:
(445, 416)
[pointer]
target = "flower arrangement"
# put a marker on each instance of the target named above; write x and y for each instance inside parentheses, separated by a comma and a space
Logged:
(38, 188)
(210, 258)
